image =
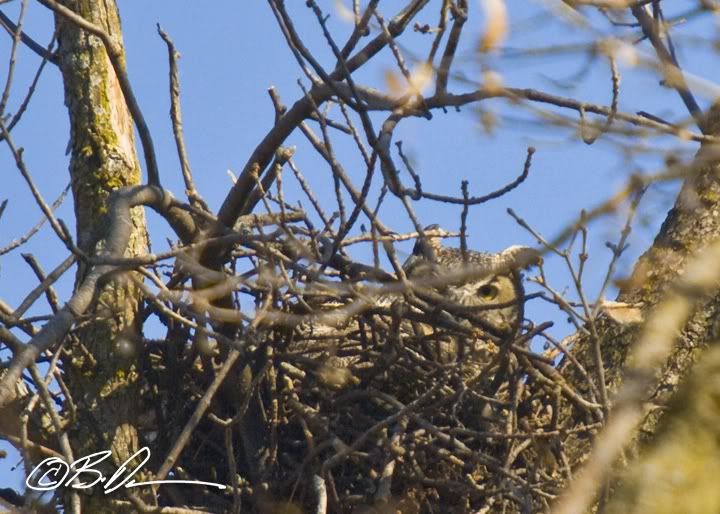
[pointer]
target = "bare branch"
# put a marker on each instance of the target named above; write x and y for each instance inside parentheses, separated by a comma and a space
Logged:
(115, 54)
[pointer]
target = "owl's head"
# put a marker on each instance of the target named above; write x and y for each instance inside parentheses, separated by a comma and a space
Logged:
(496, 299)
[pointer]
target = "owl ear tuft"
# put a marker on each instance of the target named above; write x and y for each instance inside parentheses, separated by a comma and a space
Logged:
(421, 249)
(522, 256)
(425, 246)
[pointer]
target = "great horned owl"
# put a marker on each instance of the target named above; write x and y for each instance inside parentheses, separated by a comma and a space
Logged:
(494, 298)
(469, 305)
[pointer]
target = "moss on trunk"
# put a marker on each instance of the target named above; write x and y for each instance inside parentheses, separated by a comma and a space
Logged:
(103, 381)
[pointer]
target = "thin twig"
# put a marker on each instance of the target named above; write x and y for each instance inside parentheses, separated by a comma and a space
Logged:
(176, 117)
(116, 55)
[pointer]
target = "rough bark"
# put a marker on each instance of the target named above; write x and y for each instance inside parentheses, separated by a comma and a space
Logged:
(690, 226)
(677, 470)
(102, 367)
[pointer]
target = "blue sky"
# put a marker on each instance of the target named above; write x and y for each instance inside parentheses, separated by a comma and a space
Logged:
(232, 52)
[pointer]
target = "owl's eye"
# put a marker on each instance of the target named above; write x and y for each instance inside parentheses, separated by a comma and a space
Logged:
(488, 292)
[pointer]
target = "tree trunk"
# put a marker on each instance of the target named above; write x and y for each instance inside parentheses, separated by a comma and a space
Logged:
(678, 469)
(102, 366)
(690, 226)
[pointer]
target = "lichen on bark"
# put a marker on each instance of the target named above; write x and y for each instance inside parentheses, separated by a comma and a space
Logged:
(678, 469)
(689, 227)
(103, 382)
